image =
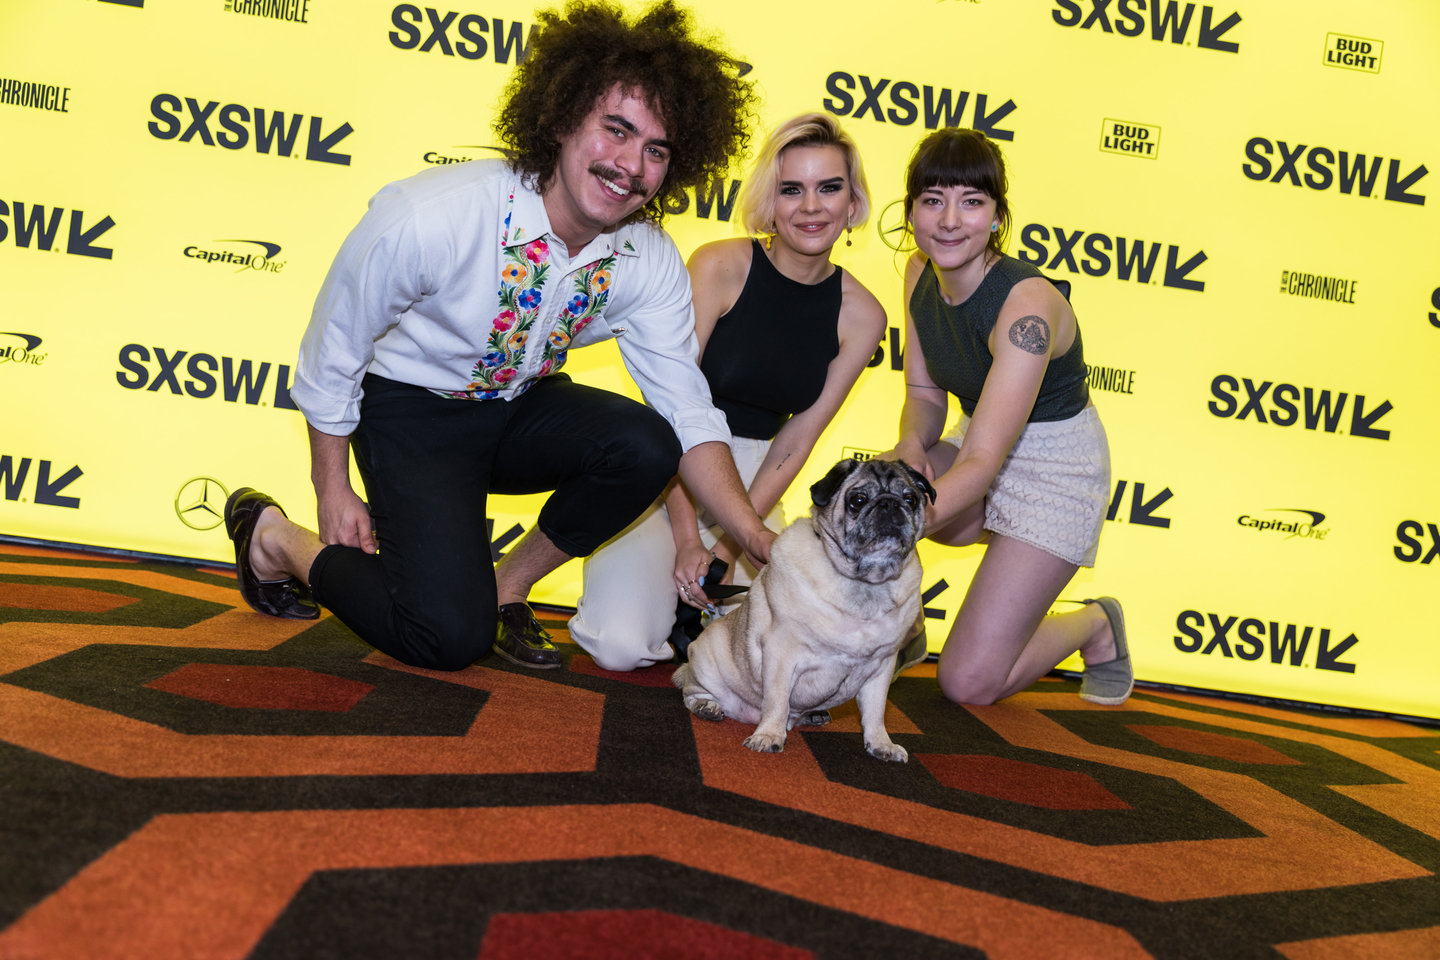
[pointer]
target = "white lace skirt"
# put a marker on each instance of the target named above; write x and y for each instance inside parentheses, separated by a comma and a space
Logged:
(1053, 488)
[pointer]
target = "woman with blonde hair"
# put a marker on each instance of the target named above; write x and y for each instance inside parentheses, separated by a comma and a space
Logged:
(783, 335)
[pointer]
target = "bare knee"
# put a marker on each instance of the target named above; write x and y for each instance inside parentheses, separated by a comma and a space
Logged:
(963, 686)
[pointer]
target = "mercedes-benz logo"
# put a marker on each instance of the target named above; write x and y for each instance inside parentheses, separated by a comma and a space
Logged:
(891, 226)
(200, 503)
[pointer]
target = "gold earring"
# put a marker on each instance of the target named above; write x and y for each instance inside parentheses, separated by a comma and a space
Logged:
(847, 236)
(768, 238)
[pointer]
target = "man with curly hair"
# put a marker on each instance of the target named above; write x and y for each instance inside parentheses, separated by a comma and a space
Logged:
(446, 389)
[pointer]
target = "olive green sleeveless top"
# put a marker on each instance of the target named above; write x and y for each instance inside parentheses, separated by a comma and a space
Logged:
(955, 340)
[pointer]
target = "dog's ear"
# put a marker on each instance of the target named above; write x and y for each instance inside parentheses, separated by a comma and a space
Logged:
(920, 480)
(824, 489)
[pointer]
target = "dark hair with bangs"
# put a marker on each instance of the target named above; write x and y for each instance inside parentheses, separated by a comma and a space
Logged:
(955, 157)
(578, 57)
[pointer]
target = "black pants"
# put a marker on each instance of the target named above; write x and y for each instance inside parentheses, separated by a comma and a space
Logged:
(428, 597)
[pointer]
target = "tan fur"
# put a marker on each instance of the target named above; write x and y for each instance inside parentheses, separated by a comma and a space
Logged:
(807, 638)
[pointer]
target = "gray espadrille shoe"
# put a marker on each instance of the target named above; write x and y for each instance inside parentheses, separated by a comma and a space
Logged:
(1110, 683)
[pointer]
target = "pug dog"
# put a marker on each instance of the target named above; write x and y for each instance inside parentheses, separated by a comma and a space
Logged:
(823, 621)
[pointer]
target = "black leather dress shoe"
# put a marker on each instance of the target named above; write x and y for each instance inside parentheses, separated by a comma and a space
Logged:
(288, 598)
(520, 639)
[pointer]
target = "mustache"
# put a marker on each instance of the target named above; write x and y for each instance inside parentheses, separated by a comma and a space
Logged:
(635, 184)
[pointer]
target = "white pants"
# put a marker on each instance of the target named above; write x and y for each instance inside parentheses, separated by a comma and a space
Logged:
(627, 607)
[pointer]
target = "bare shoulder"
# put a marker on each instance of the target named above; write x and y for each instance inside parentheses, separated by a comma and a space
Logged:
(914, 267)
(1035, 295)
(720, 259)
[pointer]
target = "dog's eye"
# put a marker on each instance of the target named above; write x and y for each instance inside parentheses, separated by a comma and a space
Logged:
(909, 499)
(856, 501)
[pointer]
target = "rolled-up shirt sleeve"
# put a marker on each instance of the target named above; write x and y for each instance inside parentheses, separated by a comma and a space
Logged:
(379, 273)
(659, 346)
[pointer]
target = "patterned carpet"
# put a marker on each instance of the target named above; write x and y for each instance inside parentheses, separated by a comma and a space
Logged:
(183, 778)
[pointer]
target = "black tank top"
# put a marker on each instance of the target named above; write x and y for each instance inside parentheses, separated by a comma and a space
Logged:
(956, 342)
(768, 355)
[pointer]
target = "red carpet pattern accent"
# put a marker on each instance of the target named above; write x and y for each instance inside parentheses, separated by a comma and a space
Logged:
(182, 778)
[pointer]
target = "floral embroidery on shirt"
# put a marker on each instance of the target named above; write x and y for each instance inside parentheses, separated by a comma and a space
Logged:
(591, 293)
(522, 286)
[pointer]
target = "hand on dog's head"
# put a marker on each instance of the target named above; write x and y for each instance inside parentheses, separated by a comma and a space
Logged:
(870, 514)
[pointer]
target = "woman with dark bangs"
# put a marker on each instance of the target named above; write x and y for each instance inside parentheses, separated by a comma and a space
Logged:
(1027, 469)
(783, 334)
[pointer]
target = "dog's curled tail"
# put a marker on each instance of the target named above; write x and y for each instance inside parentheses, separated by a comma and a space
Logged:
(681, 676)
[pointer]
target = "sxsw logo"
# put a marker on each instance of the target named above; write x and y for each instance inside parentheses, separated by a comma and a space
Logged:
(1165, 16)
(20, 348)
(897, 352)
(1249, 641)
(1319, 408)
(1291, 527)
(906, 102)
(242, 260)
(34, 226)
(1353, 53)
(15, 470)
(1097, 262)
(470, 41)
(1350, 177)
(1142, 511)
(1411, 534)
(712, 197)
(235, 378)
(1435, 302)
(271, 130)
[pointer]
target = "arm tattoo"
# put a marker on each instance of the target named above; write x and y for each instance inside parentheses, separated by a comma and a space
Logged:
(782, 462)
(1030, 334)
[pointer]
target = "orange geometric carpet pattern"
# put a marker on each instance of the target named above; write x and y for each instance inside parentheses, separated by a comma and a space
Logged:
(182, 777)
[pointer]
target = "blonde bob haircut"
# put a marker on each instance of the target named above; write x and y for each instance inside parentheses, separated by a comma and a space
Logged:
(757, 195)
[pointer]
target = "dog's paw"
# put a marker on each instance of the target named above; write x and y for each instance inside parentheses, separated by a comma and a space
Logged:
(704, 709)
(765, 743)
(815, 718)
(887, 751)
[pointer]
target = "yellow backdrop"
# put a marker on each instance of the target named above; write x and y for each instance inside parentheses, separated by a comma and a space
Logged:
(1239, 194)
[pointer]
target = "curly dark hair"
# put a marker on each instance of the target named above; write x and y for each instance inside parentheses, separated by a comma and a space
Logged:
(577, 58)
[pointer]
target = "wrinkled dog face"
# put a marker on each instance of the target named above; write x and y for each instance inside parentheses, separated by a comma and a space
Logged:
(870, 515)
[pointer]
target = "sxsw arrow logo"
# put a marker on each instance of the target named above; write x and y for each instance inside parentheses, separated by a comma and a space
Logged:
(319, 149)
(1322, 409)
(273, 132)
(1166, 17)
(32, 225)
(47, 491)
(1359, 175)
(1142, 511)
(1098, 253)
